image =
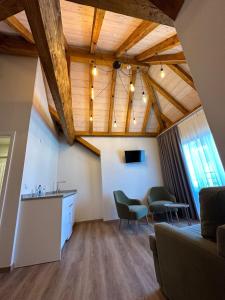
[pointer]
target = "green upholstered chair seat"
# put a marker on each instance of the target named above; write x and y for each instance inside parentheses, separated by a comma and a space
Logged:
(137, 211)
(130, 209)
(158, 206)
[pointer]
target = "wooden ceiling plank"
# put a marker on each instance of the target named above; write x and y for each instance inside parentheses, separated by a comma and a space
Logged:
(91, 98)
(166, 95)
(88, 146)
(46, 25)
(111, 105)
(151, 96)
(115, 134)
(9, 8)
(170, 7)
(130, 100)
(163, 46)
(142, 9)
(183, 117)
(167, 59)
(99, 15)
(182, 74)
(138, 34)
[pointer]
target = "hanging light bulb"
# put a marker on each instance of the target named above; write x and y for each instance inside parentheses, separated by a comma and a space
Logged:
(91, 118)
(132, 89)
(134, 121)
(92, 93)
(94, 71)
(128, 67)
(114, 124)
(144, 98)
(162, 72)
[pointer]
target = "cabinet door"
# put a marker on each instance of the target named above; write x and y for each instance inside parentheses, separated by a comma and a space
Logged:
(70, 220)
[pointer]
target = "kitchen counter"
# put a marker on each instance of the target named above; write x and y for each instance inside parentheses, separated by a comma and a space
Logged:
(61, 194)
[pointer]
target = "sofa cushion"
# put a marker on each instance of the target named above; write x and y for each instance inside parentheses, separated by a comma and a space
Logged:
(221, 240)
(212, 211)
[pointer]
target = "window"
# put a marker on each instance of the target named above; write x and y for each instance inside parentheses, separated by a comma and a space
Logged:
(202, 158)
(4, 150)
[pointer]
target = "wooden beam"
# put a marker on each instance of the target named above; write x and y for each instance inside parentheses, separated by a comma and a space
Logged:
(91, 98)
(130, 100)
(170, 7)
(142, 9)
(78, 55)
(167, 59)
(151, 96)
(163, 46)
(147, 114)
(44, 17)
(138, 34)
(166, 95)
(16, 25)
(9, 8)
(116, 134)
(16, 45)
(88, 146)
(182, 74)
(54, 114)
(166, 120)
(99, 15)
(111, 105)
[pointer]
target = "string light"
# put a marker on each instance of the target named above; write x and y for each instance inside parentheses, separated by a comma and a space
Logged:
(162, 72)
(132, 88)
(91, 118)
(92, 93)
(128, 67)
(144, 98)
(94, 71)
(134, 121)
(114, 124)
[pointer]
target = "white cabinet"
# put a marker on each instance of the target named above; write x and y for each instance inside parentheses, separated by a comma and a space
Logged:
(68, 217)
(44, 225)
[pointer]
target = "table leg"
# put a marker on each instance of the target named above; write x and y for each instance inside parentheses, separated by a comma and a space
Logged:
(171, 216)
(187, 215)
(167, 216)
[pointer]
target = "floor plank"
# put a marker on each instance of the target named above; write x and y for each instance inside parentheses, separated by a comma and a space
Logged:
(100, 262)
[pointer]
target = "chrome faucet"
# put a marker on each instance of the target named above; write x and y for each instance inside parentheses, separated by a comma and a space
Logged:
(57, 185)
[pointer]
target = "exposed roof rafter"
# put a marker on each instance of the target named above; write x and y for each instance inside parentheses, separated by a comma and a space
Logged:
(130, 100)
(183, 75)
(167, 59)
(46, 27)
(99, 15)
(163, 46)
(16, 25)
(111, 105)
(9, 8)
(138, 34)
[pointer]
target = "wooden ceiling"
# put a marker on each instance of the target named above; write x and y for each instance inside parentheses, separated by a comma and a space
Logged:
(89, 37)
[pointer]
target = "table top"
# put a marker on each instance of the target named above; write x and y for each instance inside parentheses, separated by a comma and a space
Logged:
(177, 205)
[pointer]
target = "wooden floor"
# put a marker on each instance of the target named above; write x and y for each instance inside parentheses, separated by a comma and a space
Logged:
(99, 263)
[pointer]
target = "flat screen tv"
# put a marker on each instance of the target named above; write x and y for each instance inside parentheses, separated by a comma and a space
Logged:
(134, 156)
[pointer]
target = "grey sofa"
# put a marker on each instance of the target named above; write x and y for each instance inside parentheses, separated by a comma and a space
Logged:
(188, 266)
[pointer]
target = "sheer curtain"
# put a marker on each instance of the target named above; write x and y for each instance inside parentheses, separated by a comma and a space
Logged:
(2, 171)
(201, 155)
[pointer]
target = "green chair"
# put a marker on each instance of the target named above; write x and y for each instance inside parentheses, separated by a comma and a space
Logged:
(129, 209)
(157, 197)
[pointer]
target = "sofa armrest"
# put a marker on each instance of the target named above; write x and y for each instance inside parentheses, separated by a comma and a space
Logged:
(152, 242)
(221, 240)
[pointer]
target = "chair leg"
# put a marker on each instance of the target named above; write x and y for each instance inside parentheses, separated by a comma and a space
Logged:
(177, 217)
(146, 217)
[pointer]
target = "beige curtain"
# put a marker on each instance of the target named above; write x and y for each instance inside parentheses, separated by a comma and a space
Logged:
(2, 171)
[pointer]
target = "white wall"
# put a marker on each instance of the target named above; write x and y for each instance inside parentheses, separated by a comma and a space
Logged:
(42, 152)
(92, 177)
(81, 169)
(134, 179)
(17, 77)
(200, 26)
